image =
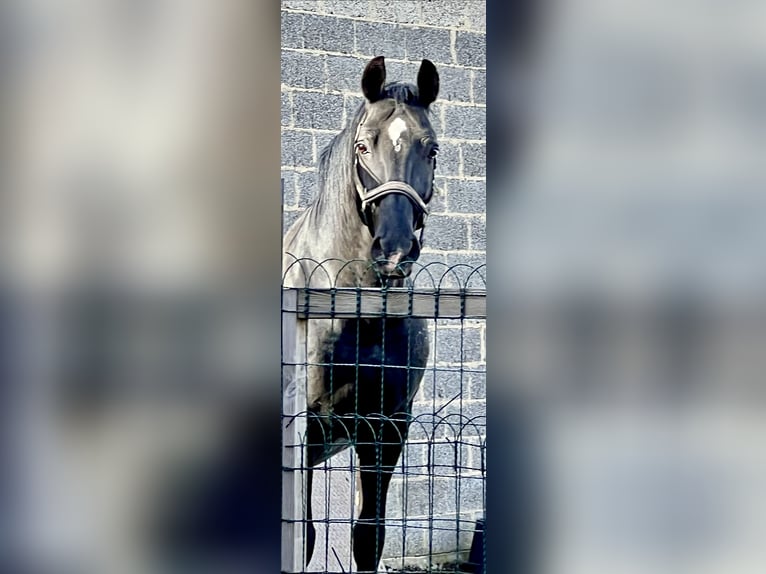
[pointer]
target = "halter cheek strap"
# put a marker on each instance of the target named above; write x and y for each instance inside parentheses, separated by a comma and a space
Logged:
(369, 196)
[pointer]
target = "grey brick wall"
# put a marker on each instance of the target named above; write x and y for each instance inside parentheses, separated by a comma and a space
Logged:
(325, 46)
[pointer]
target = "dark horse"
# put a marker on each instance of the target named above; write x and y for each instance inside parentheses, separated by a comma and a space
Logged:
(375, 180)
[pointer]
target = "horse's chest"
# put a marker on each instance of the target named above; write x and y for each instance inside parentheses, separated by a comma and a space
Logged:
(370, 365)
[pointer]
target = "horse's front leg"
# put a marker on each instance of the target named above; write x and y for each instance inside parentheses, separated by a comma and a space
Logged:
(310, 529)
(377, 459)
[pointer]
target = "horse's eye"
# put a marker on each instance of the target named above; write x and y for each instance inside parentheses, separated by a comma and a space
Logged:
(433, 153)
(361, 148)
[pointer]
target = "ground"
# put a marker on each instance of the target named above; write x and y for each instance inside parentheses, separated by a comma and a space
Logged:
(453, 568)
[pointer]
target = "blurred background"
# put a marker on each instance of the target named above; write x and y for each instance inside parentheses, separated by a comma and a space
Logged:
(626, 219)
(140, 278)
(140, 286)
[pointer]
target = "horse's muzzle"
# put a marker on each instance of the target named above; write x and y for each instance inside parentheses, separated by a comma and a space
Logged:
(395, 263)
(394, 269)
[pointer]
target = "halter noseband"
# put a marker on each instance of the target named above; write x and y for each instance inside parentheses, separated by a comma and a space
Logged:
(369, 196)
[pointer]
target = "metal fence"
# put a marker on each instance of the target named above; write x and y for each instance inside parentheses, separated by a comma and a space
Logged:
(436, 501)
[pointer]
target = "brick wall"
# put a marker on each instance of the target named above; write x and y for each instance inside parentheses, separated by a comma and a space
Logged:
(325, 46)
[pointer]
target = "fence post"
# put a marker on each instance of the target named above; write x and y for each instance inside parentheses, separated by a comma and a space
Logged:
(293, 433)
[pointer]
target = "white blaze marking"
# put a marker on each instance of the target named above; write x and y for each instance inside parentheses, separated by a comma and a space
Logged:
(395, 131)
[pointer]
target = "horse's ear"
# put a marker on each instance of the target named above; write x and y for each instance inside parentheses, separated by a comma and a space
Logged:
(428, 83)
(373, 78)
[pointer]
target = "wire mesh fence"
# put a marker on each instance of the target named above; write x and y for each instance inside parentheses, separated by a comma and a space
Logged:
(384, 421)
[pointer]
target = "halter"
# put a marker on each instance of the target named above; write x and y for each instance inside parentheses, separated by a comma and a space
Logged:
(369, 196)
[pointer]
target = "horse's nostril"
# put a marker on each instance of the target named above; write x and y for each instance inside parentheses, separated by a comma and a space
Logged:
(377, 250)
(403, 253)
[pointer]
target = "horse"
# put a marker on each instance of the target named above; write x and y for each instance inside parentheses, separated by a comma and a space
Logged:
(375, 180)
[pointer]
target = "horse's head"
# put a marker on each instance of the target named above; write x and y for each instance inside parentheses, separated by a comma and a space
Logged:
(395, 158)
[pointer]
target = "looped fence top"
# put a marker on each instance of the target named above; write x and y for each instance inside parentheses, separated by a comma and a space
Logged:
(434, 291)
(430, 275)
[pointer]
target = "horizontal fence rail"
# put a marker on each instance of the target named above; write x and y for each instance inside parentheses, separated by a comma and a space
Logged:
(367, 303)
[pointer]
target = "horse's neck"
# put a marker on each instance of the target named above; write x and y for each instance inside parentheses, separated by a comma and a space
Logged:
(331, 232)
